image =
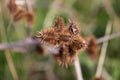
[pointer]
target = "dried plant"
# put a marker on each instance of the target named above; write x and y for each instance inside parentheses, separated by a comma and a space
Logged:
(19, 14)
(93, 48)
(67, 39)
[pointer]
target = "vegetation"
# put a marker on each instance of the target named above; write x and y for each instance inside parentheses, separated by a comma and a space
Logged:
(97, 18)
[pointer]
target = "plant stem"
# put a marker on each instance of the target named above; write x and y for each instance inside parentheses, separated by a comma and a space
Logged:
(78, 69)
(7, 52)
(103, 52)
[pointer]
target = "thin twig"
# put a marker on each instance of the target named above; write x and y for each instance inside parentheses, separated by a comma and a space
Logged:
(78, 69)
(103, 52)
(25, 43)
(109, 37)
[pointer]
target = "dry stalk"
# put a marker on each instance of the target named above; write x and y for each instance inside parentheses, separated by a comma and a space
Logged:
(78, 69)
(103, 52)
(7, 53)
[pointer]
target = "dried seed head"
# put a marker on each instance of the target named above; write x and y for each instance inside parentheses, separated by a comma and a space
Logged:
(78, 43)
(65, 37)
(12, 7)
(18, 15)
(58, 24)
(63, 56)
(67, 40)
(93, 48)
(48, 36)
(73, 28)
(29, 17)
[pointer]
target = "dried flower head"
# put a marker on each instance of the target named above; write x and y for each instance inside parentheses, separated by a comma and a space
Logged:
(93, 48)
(48, 36)
(67, 39)
(18, 14)
(73, 28)
(63, 56)
(78, 44)
(12, 7)
(58, 24)
(29, 18)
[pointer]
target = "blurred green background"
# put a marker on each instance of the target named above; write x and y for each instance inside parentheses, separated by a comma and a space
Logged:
(92, 16)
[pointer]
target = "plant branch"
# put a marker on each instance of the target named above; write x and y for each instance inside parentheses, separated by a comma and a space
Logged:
(108, 37)
(25, 43)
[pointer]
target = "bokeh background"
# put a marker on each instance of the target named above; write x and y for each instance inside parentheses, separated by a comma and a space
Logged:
(92, 16)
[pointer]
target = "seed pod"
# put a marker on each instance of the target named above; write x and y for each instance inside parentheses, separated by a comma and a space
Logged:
(58, 24)
(18, 15)
(12, 7)
(93, 48)
(29, 18)
(48, 37)
(65, 37)
(63, 56)
(78, 43)
(73, 28)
